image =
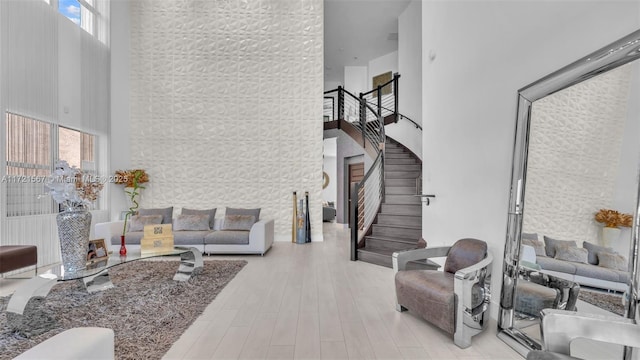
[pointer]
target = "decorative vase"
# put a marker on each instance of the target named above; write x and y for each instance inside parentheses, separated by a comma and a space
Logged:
(610, 235)
(123, 248)
(73, 230)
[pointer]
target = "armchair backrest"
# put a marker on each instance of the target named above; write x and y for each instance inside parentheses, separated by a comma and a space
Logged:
(464, 253)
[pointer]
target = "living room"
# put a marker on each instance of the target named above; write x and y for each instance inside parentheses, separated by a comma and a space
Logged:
(223, 112)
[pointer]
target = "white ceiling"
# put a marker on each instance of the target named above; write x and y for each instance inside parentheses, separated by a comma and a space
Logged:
(357, 31)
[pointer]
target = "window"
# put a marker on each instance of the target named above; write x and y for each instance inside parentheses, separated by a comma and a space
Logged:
(29, 160)
(77, 148)
(30, 150)
(81, 12)
(70, 9)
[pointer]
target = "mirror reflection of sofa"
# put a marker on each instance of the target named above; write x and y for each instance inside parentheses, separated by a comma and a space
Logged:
(328, 211)
(590, 265)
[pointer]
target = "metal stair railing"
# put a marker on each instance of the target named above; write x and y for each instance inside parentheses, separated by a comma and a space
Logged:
(366, 113)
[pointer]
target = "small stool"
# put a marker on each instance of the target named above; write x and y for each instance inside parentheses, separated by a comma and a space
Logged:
(14, 257)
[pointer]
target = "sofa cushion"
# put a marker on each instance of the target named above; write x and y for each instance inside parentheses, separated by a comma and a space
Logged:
(594, 250)
(537, 245)
(596, 272)
(138, 222)
(237, 211)
(191, 222)
(227, 237)
(189, 237)
(530, 236)
(167, 213)
(210, 212)
(551, 264)
(612, 261)
(238, 222)
(623, 276)
(574, 254)
(550, 245)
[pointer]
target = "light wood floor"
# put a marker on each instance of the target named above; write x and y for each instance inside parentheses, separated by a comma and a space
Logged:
(310, 302)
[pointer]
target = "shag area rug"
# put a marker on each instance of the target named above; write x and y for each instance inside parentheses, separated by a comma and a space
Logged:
(608, 301)
(147, 309)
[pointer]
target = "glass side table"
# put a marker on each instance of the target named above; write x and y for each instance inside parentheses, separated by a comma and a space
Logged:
(95, 278)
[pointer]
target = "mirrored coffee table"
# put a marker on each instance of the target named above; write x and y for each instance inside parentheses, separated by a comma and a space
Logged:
(95, 277)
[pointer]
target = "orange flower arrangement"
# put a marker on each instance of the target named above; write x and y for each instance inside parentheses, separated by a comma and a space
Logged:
(128, 177)
(613, 218)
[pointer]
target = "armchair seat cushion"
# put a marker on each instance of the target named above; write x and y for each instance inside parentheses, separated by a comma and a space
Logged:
(428, 293)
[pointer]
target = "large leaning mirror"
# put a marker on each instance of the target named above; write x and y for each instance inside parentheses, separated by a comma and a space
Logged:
(572, 238)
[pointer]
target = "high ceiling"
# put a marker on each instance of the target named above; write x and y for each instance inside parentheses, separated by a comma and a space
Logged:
(356, 31)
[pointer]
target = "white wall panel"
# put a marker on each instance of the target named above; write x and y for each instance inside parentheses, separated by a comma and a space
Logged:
(226, 104)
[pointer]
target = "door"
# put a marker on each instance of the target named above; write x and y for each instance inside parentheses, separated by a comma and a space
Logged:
(356, 174)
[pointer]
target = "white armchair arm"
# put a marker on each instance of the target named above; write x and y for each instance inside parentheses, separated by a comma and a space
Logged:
(107, 229)
(560, 327)
(261, 235)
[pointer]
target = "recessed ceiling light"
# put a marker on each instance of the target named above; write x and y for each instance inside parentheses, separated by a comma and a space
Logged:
(355, 58)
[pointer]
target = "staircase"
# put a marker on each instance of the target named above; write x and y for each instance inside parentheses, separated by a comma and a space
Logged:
(398, 225)
(386, 214)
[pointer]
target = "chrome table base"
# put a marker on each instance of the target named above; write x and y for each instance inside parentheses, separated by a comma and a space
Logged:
(38, 287)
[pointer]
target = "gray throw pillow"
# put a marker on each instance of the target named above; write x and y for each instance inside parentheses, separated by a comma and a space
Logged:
(594, 250)
(551, 244)
(612, 261)
(236, 211)
(191, 222)
(139, 221)
(574, 254)
(167, 214)
(238, 222)
(210, 212)
(530, 236)
(538, 246)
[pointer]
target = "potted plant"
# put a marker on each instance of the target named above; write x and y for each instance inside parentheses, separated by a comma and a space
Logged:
(132, 179)
(612, 221)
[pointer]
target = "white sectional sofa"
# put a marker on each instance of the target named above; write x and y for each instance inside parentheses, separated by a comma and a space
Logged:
(214, 240)
(588, 273)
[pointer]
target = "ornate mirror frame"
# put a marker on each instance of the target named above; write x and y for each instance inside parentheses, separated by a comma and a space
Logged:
(619, 53)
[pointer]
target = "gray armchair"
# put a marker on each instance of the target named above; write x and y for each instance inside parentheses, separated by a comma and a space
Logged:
(560, 327)
(456, 299)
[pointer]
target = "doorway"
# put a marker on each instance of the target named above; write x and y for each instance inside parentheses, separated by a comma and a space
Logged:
(356, 174)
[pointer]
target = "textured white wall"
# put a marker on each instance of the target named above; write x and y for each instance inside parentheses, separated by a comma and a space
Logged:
(226, 104)
(575, 145)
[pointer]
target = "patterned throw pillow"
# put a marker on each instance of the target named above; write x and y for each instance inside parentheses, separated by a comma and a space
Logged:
(594, 250)
(551, 244)
(191, 222)
(238, 222)
(612, 261)
(166, 213)
(209, 212)
(139, 221)
(575, 254)
(538, 246)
